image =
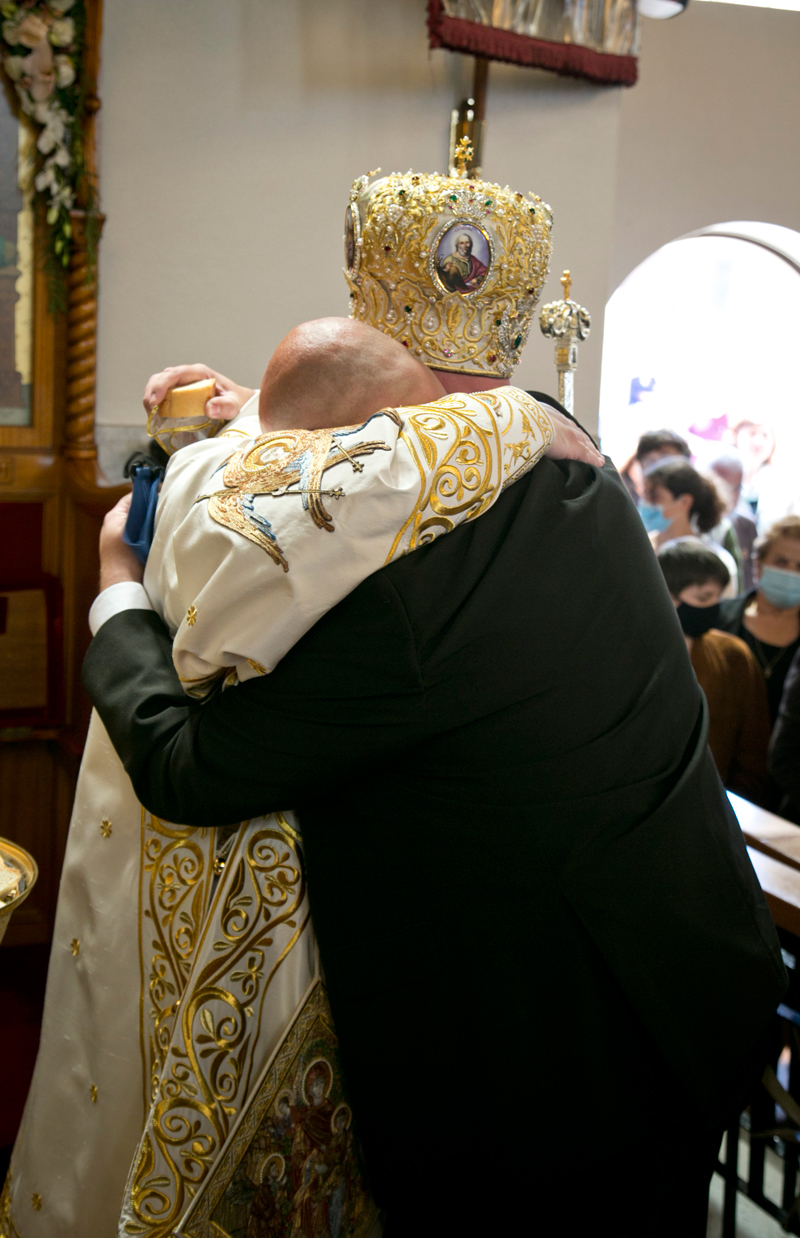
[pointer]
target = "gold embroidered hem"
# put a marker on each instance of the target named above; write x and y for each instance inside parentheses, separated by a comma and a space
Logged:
(292, 1164)
(215, 1026)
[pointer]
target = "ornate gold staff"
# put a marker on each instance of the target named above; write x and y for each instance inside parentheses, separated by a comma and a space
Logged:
(566, 322)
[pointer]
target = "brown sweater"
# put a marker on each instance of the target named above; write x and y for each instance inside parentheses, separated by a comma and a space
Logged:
(739, 726)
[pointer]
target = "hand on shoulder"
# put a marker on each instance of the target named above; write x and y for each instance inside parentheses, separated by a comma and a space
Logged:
(570, 442)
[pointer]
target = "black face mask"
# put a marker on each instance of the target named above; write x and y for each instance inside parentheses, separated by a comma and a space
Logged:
(696, 620)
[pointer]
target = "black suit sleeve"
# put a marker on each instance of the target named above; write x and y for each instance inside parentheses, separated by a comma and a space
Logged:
(349, 690)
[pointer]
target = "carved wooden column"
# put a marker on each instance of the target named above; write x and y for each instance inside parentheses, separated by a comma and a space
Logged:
(79, 440)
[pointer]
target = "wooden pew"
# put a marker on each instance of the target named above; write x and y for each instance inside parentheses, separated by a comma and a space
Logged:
(774, 848)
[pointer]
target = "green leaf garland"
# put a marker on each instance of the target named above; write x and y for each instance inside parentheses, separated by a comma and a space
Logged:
(42, 45)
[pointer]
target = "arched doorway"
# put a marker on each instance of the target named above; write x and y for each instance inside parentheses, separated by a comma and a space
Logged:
(703, 338)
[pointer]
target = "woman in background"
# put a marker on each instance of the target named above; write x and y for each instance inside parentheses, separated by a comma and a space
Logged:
(726, 669)
(653, 446)
(768, 619)
(681, 503)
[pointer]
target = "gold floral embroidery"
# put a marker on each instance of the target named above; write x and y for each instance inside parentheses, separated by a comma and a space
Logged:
(537, 430)
(309, 1051)
(7, 1227)
(458, 451)
(191, 615)
(176, 882)
(451, 444)
(275, 463)
(258, 912)
(75, 946)
(93, 1093)
(36, 1201)
(257, 667)
(105, 828)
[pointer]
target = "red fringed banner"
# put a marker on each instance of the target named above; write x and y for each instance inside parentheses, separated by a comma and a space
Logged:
(569, 59)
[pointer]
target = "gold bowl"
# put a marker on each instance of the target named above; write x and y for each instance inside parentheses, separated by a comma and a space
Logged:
(16, 858)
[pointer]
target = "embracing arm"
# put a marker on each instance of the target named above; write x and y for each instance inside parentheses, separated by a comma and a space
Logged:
(349, 690)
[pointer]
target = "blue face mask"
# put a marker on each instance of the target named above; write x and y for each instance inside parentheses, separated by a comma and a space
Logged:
(780, 587)
(653, 518)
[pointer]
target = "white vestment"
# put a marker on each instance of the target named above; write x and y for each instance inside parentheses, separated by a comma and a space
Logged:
(182, 975)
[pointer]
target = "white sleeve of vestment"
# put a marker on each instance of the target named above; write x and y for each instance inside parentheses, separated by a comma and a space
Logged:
(125, 595)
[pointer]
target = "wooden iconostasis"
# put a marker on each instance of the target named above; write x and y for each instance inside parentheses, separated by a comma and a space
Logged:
(52, 501)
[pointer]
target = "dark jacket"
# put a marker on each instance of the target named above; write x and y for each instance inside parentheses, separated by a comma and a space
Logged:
(533, 903)
(784, 748)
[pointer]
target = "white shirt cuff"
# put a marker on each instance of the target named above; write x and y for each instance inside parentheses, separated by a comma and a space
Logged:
(124, 595)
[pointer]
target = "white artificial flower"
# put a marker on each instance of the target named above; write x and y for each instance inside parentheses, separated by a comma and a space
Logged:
(61, 6)
(45, 180)
(9, 32)
(61, 157)
(52, 135)
(62, 31)
(14, 67)
(65, 70)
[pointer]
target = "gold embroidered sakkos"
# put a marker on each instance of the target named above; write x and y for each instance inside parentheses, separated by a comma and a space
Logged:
(466, 452)
(310, 1171)
(176, 875)
(276, 463)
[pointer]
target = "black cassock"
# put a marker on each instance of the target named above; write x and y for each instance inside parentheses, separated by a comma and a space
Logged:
(540, 929)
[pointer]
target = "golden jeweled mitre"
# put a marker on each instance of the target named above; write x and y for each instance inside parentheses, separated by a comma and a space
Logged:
(450, 266)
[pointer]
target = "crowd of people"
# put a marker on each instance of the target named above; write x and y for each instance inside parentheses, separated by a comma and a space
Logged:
(735, 583)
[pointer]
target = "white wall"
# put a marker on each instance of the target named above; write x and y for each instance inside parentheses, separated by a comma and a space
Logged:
(229, 137)
(712, 130)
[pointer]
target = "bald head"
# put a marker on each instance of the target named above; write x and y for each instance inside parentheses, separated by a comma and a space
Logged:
(336, 372)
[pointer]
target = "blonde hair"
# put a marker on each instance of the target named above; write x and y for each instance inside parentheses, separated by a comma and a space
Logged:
(787, 526)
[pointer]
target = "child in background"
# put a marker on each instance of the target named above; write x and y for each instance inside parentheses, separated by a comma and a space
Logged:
(739, 727)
